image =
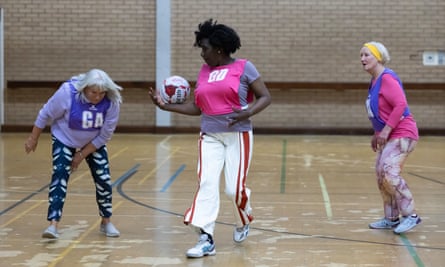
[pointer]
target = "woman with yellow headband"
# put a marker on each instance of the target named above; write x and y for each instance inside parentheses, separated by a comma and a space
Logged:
(395, 136)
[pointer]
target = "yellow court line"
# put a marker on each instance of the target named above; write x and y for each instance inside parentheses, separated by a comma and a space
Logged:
(88, 171)
(78, 240)
(79, 176)
(20, 215)
(158, 166)
(119, 152)
(324, 191)
(42, 201)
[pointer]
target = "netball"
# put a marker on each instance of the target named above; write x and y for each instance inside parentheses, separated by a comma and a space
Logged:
(175, 90)
(215, 133)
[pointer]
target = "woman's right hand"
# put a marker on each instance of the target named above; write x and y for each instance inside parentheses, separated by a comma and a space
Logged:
(31, 144)
(187, 108)
(156, 98)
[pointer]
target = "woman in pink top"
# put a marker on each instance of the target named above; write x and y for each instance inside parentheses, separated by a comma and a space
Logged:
(228, 92)
(395, 136)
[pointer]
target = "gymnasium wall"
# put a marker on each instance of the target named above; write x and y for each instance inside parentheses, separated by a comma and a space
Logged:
(306, 51)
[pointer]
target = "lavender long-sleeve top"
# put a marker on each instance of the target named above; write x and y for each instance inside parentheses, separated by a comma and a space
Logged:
(57, 112)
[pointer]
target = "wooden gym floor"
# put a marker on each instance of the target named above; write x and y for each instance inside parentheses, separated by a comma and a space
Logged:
(313, 197)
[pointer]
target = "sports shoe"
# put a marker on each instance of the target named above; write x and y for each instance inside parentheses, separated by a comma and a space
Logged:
(109, 230)
(240, 233)
(50, 232)
(203, 248)
(384, 224)
(407, 224)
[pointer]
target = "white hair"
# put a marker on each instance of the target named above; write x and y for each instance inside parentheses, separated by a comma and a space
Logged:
(383, 51)
(100, 79)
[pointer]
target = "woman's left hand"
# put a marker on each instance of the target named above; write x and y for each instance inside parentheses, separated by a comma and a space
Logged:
(380, 142)
(382, 137)
(240, 115)
(77, 159)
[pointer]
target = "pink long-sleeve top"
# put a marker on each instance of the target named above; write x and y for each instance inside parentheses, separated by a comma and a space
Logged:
(392, 104)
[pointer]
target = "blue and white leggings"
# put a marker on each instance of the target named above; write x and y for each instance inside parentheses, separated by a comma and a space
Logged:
(100, 171)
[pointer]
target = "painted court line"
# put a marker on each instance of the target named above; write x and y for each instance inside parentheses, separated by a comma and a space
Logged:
(158, 166)
(78, 240)
(283, 167)
(23, 199)
(22, 214)
(129, 173)
(170, 181)
(87, 172)
(327, 201)
(125, 176)
(406, 242)
(411, 251)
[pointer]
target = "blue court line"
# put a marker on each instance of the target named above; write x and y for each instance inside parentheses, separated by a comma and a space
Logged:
(117, 182)
(129, 173)
(359, 241)
(170, 181)
(23, 200)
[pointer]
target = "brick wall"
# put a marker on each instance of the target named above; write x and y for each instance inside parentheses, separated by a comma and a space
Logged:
(289, 41)
(54, 39)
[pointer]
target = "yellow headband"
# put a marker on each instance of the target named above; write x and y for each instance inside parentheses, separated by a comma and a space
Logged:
(374, 51)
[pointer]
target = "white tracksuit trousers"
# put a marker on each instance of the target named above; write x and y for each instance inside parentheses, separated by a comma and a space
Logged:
(233, 152)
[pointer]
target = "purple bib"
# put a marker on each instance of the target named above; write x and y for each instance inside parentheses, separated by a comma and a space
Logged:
(86, 116)
(372, 102)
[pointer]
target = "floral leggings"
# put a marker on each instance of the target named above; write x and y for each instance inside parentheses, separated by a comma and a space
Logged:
(99, 167)
(397, 198)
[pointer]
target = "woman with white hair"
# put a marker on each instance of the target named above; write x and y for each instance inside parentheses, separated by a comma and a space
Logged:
(83, 114)
(395, 136)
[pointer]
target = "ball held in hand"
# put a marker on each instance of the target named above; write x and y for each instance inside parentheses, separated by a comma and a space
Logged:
(175, 90)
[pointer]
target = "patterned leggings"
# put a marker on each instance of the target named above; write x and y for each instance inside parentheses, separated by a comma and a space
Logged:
(99, 167)
(397, 198)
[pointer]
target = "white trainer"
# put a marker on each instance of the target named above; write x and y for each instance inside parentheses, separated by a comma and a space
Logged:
(50, 232)
(240, 233)
(202, 248)
(384, 223)
(407, 224)
(109, 230)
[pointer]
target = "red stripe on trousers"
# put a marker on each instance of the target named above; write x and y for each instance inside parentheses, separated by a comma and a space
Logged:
(241, 180)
